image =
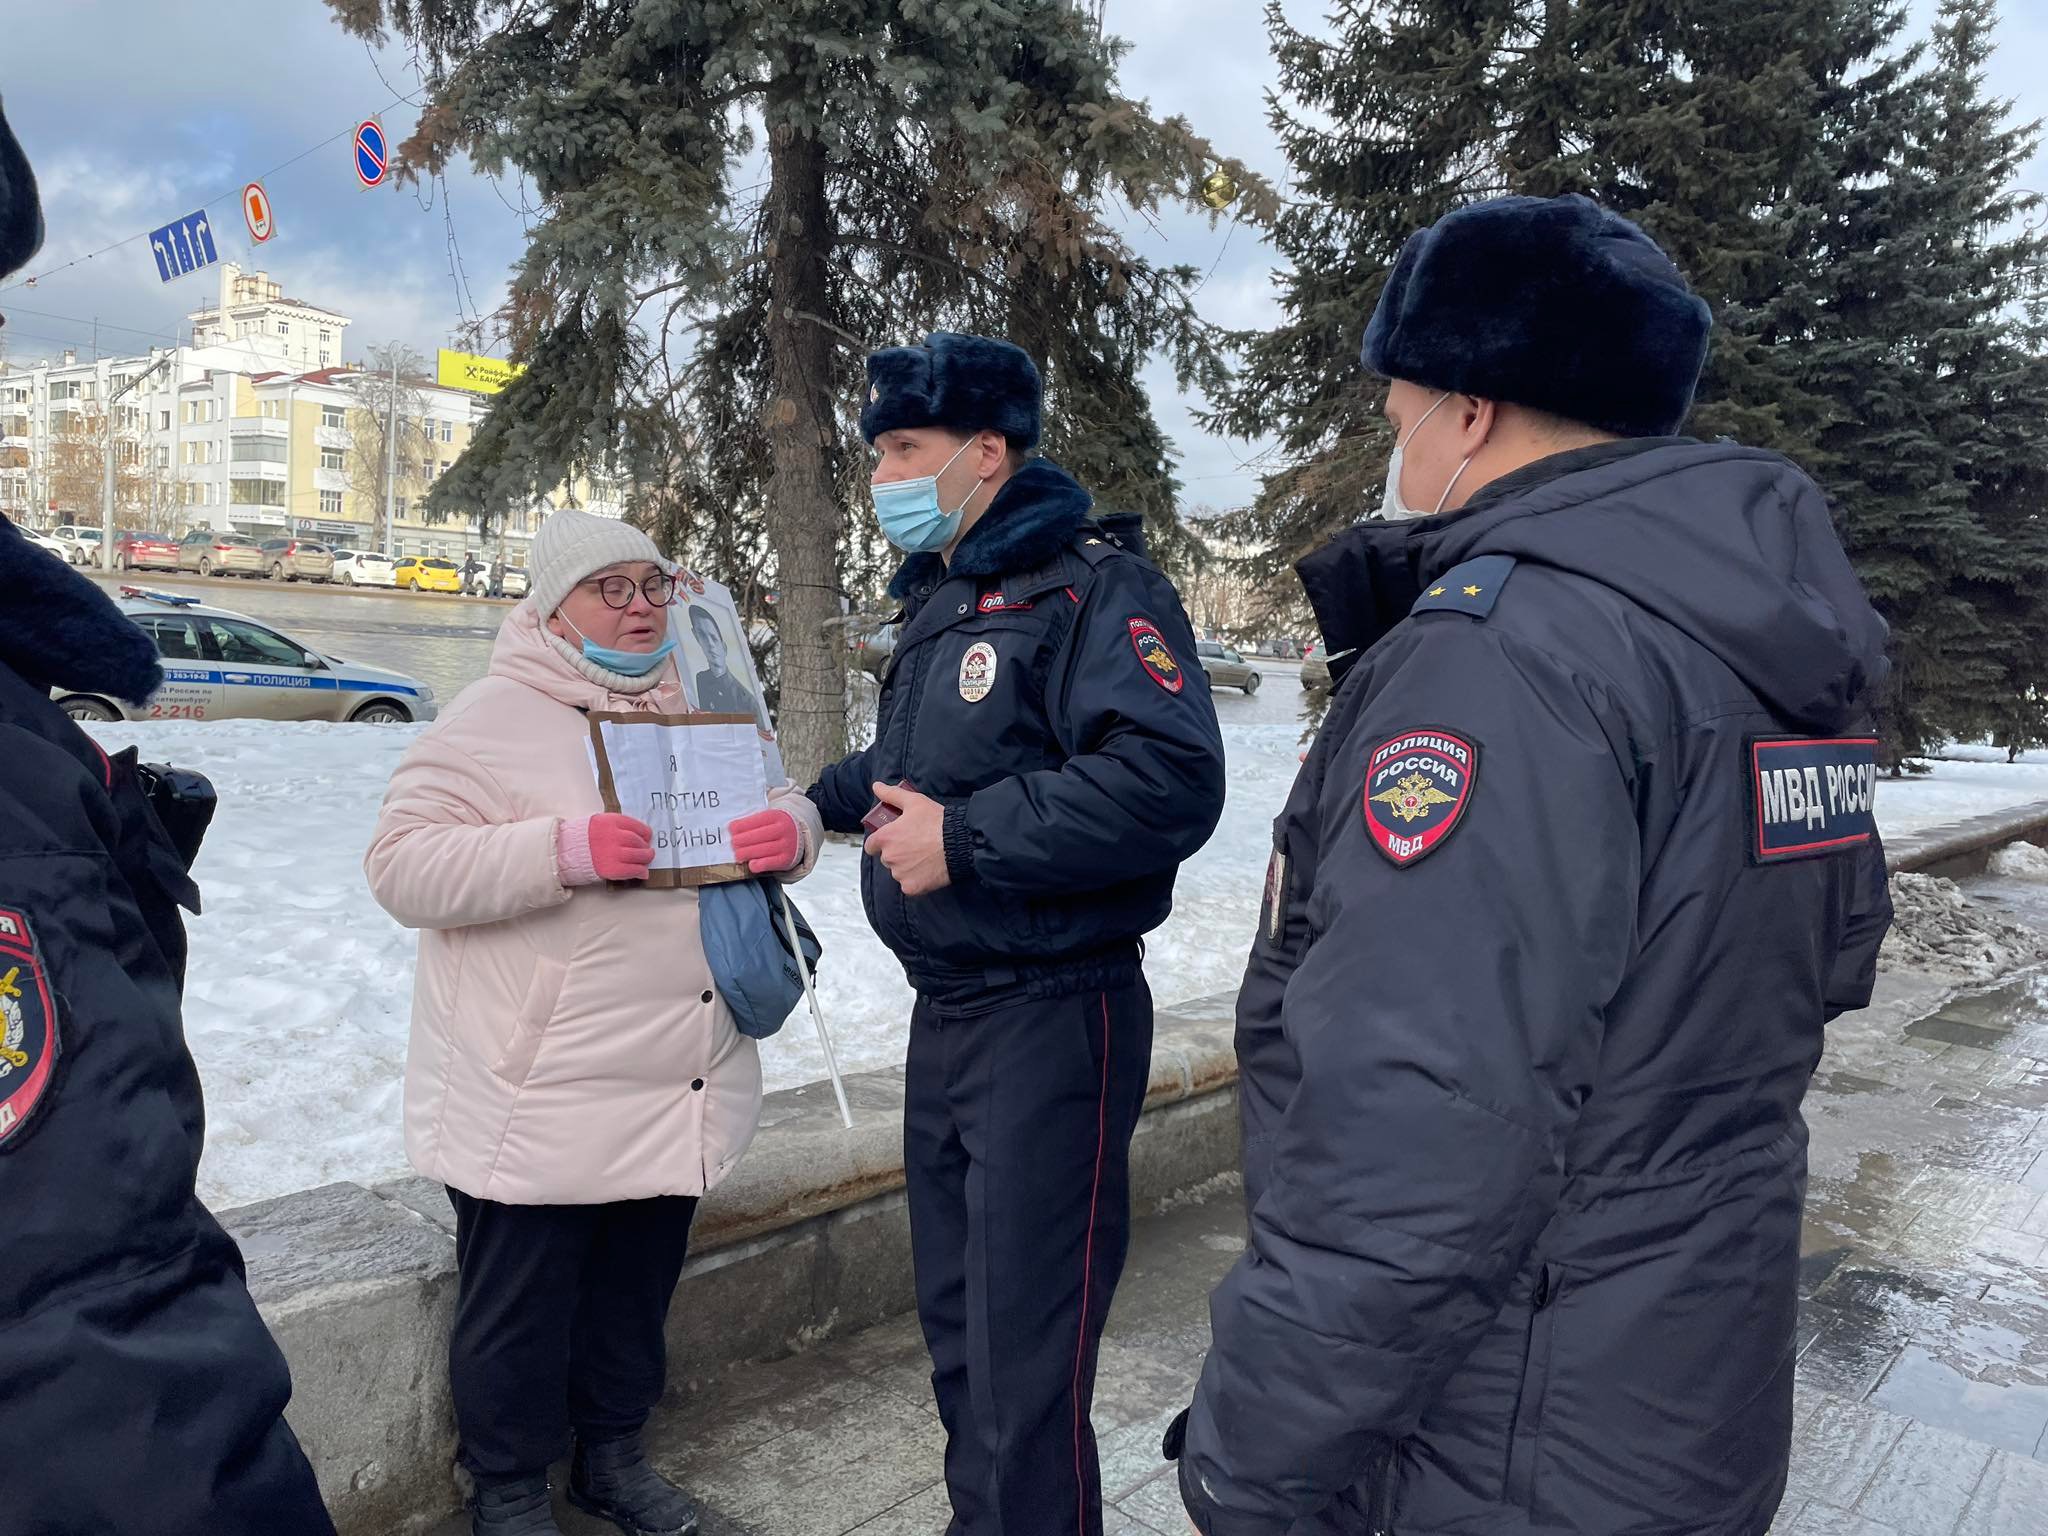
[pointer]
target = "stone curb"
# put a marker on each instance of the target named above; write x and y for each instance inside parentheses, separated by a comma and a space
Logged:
(1960, 848)
(809, 1238)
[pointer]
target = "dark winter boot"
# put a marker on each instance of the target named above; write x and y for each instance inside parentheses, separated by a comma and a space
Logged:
(613, 1480)
(513, 1506)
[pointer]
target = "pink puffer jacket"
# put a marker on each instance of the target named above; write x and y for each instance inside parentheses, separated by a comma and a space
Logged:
(568, 1046)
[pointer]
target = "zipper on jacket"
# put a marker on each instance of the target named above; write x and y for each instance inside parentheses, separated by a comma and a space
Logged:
(1382, 1514)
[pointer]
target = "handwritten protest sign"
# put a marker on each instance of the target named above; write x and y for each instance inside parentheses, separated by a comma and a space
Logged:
(687, 777)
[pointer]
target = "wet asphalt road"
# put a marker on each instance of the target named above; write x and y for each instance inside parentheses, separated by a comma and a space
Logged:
(444, 641)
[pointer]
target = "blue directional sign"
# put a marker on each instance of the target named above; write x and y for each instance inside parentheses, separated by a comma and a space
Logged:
(183, 245)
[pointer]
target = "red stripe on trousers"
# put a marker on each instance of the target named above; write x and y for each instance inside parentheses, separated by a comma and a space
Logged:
(1088, 1276)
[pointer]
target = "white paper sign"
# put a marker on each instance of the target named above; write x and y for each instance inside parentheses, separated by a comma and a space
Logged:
(688, 777)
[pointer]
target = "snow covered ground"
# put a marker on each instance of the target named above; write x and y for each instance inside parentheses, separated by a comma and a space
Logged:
(300, 986)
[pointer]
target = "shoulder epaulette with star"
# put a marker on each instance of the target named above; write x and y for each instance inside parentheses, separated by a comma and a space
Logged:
(1471, 589)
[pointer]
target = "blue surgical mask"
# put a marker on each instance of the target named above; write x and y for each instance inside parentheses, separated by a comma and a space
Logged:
(625, 663)
(909, 510)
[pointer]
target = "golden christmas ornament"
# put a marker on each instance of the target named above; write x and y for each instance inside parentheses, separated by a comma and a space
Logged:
(1218, 189)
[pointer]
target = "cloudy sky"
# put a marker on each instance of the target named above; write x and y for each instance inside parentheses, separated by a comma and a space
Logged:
(134, 113)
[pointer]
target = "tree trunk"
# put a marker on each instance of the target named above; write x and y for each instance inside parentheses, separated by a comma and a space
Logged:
(803, 512)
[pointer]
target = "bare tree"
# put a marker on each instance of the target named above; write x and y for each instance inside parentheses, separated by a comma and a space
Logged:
(373, 396)
(76, 470)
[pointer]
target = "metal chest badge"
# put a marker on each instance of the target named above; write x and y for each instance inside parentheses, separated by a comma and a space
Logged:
(28, 1028)
(1417, 786)
(1157, 659)
(977, 672)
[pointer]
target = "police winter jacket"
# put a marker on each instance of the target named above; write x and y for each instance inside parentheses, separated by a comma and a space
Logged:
(1044, 688)
(1579, 864)
(140, 1394)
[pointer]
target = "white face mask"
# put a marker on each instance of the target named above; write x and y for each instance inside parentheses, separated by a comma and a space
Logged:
(1392, 508)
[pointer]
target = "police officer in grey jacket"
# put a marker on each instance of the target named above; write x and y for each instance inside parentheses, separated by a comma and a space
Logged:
(1581, 862)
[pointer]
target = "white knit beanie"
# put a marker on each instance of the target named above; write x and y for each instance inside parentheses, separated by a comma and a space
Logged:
(572, 545)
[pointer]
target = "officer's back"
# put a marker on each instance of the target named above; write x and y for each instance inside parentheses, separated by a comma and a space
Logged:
(1581, 862)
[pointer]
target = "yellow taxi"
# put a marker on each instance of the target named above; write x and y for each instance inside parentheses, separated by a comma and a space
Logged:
(421, 574)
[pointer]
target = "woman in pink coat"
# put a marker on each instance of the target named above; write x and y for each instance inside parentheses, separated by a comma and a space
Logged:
(574, 1078)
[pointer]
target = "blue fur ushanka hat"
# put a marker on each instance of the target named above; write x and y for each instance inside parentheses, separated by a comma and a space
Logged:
(1553, 303)
(965, 383)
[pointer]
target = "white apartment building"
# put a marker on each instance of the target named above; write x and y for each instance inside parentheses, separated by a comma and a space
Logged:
(252, 427)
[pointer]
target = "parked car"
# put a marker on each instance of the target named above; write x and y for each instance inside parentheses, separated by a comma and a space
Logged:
(145, 551)
(294, 559)
(216, 552)
(222, 665)
(81, 542)
(1315, 670)
(511, 582)
(365, 568)
(1225, 667)
(419, 573)
(46, 543)
(871, 643)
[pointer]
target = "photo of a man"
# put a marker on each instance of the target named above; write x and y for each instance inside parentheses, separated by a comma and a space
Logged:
(718, 689)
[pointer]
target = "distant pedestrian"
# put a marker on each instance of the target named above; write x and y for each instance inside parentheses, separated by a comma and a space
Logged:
(575, 1079)
(1581, 862)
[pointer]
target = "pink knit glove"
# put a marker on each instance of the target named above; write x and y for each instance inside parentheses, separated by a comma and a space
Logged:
(607, 847)
(766, 841)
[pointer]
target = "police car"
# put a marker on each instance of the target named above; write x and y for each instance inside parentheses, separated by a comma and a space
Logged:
(221, 665)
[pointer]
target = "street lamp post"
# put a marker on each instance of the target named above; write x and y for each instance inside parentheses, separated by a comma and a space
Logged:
(107, 489)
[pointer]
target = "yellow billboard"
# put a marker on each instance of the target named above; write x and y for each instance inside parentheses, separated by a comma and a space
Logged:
(479, 375)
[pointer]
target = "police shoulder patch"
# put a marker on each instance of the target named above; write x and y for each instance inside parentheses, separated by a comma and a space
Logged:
(1417, 786)
(1154, 655)
(1811, 796)
(28, 1029)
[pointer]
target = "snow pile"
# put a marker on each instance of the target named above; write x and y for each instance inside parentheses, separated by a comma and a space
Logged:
(1936, 928)
(2021, 861)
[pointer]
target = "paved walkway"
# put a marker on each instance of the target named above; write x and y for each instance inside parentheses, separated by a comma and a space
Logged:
(1923, 1384)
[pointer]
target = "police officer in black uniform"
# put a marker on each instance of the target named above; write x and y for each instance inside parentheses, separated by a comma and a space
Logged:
(1580, 863)
(140, 1394)
(1049, 755)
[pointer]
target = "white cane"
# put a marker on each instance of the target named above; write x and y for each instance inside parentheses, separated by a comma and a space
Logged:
(824, 1040)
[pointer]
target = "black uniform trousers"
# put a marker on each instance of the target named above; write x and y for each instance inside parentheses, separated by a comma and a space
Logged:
(559, 1312)
(1017, 1135)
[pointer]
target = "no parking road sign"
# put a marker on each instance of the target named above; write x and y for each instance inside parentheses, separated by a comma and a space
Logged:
(372, 155)
(256, 210)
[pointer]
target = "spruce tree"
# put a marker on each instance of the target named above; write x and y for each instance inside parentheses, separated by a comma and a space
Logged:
(1387, 123)
(927, 164)
(1984, 357)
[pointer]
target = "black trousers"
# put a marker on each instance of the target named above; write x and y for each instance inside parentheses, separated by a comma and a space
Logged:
(558, 1323)
(1017, 1135)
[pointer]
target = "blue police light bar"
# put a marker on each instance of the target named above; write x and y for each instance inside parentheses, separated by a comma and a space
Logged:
(150, 594)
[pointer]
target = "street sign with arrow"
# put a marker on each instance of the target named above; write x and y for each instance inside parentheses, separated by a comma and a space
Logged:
(183, 245)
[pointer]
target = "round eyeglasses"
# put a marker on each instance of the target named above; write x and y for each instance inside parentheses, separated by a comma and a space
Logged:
(617, 591)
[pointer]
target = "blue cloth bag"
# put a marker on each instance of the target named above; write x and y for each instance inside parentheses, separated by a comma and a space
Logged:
(752, 962)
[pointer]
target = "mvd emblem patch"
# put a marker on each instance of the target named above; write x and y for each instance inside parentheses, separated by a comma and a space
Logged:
(1417, 786)
(28, 1028)
(1158, 660)
(1811, 797)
